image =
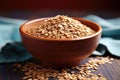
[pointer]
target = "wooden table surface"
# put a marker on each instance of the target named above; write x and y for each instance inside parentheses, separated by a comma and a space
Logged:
(109, 71)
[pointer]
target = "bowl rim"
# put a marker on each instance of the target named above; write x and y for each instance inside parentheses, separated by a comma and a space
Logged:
(21, 29)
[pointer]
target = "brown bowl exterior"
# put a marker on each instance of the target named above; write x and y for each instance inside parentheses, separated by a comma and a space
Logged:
(60, 53)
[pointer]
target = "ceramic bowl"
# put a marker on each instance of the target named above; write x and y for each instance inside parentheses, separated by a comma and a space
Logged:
(60, 53)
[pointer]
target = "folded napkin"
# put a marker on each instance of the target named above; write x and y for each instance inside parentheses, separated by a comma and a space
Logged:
(12, 50)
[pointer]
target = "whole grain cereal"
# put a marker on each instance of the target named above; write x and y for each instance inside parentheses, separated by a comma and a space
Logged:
(33, 71)
(60, 27)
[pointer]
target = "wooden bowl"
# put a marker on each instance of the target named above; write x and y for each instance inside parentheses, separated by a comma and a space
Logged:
(60, 53)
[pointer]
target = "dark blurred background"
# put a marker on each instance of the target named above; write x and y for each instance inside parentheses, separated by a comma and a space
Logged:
(29, 9)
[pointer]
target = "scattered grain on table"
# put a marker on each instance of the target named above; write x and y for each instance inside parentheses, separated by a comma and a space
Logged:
(33, 71)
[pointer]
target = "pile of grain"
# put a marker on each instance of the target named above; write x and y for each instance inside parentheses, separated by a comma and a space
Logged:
(60, 27)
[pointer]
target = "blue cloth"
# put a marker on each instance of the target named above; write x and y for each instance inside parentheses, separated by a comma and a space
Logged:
(110, 33)
(12, 50)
